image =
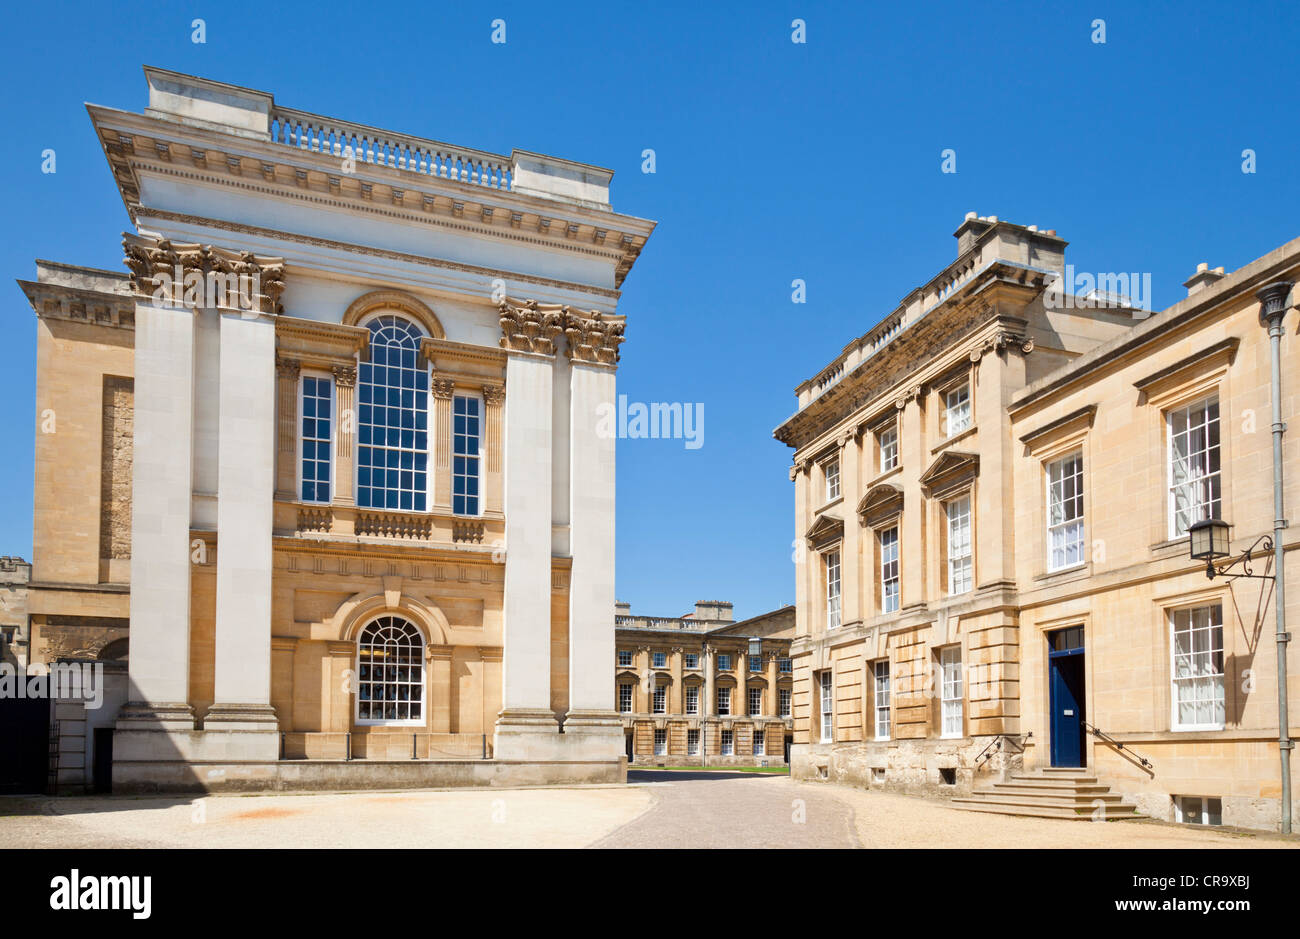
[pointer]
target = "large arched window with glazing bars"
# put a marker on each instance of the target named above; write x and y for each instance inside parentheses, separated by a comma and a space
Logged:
(393, 419)
(390, 672)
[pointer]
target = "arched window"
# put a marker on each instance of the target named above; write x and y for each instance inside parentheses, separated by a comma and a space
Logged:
(390, 673)
(393, 419)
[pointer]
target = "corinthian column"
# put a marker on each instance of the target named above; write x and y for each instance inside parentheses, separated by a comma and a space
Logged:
(592, 346)
(159, 667)
(526, 728)
(245, 485)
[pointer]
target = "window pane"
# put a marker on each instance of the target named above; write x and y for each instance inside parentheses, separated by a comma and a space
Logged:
(315, 446)
(384, 436)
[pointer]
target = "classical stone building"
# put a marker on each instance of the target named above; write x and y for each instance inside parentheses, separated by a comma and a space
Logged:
(327, 452)
(994, 487)
(702, 689)
(14, 576)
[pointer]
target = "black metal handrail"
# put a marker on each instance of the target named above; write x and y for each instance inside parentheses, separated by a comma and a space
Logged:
(995, 746)
(1107, 738)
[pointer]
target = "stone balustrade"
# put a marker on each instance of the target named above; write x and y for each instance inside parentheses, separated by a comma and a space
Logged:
(382, 148)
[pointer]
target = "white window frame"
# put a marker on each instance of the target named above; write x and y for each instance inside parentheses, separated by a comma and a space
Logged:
(760, 743)
(1203, 810)
(661, 742)
(430, 436)
(783, 697)
(1197, 659)
(625, 696)
(957, 415)
(890, 583)
(659, 700)
(961, 545)
(692, 699)
(693, 741)
(480, 457)
(658, 659)
(692, 659)
(722, 697)
(882, 713)
(887, 446)
(724, 662)
(1065, 512)
(833, 586)
(318, 375)
(826, 686)
(624, 657)
(749, 705)
(1199, 476)
(951, 697)
(727, 744)
(831, 469)
(418, 662)
(754, 663)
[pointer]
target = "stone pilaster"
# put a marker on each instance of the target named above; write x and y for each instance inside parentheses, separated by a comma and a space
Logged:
(345, 424)
(245, 483)
(494, 397)
(592, 347)
(158, 696)
(286, 383)
(438, 662)
(526, 728)
(443, 390)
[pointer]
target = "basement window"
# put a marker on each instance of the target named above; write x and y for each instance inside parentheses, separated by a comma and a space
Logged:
(1198, 810)
(948, 777)
(878, 773)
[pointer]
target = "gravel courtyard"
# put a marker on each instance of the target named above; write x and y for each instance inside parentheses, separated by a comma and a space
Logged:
(656, 809)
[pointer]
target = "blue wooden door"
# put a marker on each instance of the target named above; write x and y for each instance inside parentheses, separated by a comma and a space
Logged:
(1065, 661)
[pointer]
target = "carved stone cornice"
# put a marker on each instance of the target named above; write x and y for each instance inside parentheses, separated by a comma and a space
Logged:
(1004, 340)
(155, 261)
(592, 337)
(442, 387)
(528, 326)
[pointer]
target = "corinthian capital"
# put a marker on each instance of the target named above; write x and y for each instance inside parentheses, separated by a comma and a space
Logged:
(593, 337)
(528, 326)
(165, 270)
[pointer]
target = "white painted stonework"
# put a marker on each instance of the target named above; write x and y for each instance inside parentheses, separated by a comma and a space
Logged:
(220, 179)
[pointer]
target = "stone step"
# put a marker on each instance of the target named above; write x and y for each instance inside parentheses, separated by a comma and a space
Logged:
(1063, 782)
(1109, 812)
(1051, 792)
(1046, 798)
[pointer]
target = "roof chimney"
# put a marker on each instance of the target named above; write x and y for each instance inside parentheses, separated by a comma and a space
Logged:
(718, 611)
(622, 608)
(1203, 278)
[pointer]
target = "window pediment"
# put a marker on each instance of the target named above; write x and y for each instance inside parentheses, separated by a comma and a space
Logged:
(824, 530)
(881, 503)
(950, 471)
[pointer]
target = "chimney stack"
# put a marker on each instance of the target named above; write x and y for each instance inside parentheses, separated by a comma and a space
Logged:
(718, 611)
(1203, 278)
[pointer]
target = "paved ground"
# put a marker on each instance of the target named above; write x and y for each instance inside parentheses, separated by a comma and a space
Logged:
(657, 809)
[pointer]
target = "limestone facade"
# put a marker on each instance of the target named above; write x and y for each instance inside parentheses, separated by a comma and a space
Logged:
(347, 495)
(704, 690)
(996, 473)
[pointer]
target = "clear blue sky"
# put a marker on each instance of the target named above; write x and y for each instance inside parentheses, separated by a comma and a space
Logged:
(775, 161)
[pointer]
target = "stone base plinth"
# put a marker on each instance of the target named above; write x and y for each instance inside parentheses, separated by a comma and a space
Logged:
(338, 775)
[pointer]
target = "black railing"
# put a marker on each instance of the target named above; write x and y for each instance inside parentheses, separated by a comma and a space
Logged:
(1108, 739)
(995, 746)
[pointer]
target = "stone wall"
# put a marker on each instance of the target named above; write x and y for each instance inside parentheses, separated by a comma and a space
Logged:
(115, 468)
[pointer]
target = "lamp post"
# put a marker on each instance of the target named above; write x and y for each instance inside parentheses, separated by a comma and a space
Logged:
(1272, 310)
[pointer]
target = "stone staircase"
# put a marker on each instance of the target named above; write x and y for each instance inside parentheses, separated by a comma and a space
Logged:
(1051, 793)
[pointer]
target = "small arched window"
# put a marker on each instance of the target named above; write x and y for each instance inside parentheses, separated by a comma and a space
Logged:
(390, 672)
(393, 419)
